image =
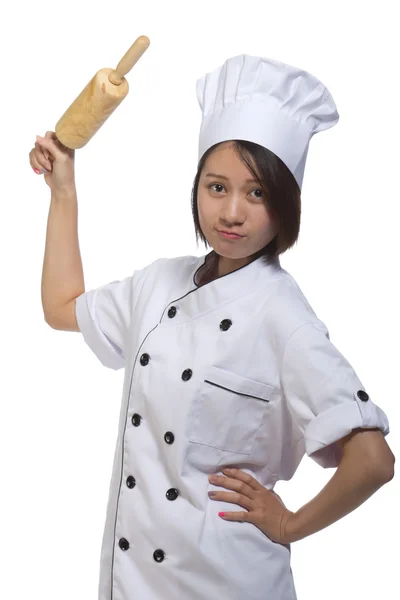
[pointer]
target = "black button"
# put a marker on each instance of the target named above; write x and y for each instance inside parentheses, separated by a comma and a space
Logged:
(172, 494)
(158, 555)
(136, 419)
(131, 482)
(187, 373)
(363, 395)
(225, 324)
(123, 544)
(172, 312)
(144, 359)
(169, 437)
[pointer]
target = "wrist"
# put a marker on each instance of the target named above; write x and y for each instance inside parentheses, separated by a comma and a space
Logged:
(292, 532)
(63, 192)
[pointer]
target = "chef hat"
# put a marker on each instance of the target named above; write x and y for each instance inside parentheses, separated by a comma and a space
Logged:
(264, 101)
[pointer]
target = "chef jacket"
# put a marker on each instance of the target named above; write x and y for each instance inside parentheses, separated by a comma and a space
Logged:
(238, 372)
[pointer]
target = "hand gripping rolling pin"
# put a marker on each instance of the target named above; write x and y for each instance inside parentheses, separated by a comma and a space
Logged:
(98, 100)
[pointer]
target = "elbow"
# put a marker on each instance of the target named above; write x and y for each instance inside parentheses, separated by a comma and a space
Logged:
(389, 471)
(370, 449)
(50, 321)
(384, 468)
(47, 321)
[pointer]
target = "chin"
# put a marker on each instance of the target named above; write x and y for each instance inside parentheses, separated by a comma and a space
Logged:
(231, 255)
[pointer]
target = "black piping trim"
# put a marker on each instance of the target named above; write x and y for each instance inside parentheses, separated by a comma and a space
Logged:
(221, 276)
(235, 392)
(208, 283)
(122, 460)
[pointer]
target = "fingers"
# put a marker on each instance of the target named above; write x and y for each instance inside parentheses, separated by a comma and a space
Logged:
(236, 479)
(245, 477)
(236, 516)
(44, 157)
(49, 135)
(49, 146)
(233, 484)
(47, 149)
(38, 161)
(233, 498)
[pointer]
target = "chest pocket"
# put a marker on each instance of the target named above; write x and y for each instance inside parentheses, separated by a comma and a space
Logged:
(228, 411)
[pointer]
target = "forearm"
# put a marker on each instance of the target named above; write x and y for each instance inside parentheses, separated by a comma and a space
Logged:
(353, 482)
(62, 275)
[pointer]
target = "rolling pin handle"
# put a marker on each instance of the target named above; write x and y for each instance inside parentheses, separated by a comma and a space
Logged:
(131, 57)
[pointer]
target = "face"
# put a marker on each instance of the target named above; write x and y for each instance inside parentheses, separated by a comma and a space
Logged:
(230, 200)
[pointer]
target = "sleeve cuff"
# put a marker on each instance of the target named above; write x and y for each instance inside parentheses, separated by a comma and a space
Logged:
(333, 424)
(97, 341)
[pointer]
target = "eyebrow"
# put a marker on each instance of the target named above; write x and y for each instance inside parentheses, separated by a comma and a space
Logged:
(226, 178)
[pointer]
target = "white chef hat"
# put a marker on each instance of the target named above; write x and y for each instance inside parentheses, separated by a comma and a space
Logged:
(264, 101)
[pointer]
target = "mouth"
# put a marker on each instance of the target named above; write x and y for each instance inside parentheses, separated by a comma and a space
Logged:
(229, 235)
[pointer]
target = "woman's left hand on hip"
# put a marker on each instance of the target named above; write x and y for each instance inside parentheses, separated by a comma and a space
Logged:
(264, 508)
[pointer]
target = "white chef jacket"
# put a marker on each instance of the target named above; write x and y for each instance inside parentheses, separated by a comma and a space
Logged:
(237, 372)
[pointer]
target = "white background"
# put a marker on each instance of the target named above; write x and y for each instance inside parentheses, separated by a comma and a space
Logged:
(59, 405)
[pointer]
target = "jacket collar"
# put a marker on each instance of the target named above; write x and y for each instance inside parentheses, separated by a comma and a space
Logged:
(224, 288)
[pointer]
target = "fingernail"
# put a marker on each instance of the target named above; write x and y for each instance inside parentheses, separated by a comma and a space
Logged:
(221, 514)
(36, 170)
(211, 494)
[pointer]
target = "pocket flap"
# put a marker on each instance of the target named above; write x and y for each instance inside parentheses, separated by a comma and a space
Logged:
(238, 383)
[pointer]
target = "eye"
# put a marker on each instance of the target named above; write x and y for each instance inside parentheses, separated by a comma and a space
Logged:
(215, 185)
(261, 192)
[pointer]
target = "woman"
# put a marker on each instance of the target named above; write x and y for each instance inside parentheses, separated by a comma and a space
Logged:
(226, 363)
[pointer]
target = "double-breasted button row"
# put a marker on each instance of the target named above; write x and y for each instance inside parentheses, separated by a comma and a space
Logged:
(187, 373)
(171, 494)
(158, 554)
(224, 325)
(169, 437)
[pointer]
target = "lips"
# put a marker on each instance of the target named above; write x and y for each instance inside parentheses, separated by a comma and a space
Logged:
(230, 232)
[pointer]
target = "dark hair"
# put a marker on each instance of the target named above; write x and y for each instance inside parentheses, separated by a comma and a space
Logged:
(282, 194)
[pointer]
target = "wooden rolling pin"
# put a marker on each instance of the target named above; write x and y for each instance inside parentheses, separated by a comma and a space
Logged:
(98, 100)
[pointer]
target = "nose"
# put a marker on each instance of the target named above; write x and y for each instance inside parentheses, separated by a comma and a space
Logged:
(232, 210)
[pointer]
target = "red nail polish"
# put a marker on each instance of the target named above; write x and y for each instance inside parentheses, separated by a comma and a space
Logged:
(36, 170)
(221, 514)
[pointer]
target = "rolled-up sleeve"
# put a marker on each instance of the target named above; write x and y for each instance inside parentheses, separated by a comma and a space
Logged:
(324, 395)
(104, 315)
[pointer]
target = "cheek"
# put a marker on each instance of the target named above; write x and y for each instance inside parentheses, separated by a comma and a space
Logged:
(263, 224)
(203, 210)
